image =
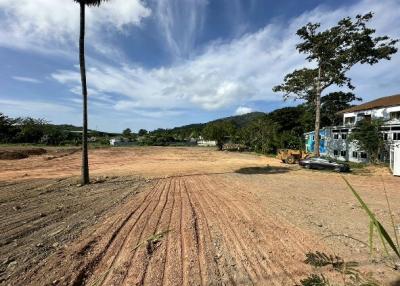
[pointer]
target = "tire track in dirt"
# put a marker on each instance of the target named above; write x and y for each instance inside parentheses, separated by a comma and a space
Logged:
(216, 272)
(172, 270)
(199, 248)
(237, 261)
(217, 236)
(253, 259)
(285, 235)
(269, 269)
(246, 206)
(158, 261)
(49, 218)
(112, 254)
(110, 242)
(138, 268)
(191, 270)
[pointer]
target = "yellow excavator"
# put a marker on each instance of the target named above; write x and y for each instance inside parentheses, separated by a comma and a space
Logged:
(291, 156)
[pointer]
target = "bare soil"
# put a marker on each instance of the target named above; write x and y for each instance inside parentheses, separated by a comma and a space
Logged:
(14, 153)
(181, 216)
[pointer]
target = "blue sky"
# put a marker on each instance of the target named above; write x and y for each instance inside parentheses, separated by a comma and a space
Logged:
(165, 63)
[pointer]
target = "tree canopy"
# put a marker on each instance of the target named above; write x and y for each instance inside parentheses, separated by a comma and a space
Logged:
(91, 2)
(335, 51)
(219, 131)
(368, 137)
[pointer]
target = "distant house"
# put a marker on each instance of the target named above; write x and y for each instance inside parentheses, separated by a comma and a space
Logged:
(191, 141)
(334, 141)
(119, 141)
(206, 143)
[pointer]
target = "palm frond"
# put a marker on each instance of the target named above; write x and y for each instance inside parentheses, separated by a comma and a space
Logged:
(91, 2)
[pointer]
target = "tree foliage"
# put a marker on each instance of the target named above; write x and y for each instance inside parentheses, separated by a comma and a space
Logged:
(127, 132)
(368, 137)
(219, 131)
(91, 2)
(7, 128)
(142, 132)
(332, 104)
(335, 51)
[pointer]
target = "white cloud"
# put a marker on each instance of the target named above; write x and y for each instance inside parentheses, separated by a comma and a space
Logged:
(48, 25)
(234, 73)
(243, 110)
(180, 23)
(26, 79)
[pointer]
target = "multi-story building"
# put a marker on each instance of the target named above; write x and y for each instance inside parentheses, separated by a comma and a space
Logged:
(334, 139)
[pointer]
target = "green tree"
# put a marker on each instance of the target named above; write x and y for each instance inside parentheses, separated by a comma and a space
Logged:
(30, 130)
(127, 133)
(85, 157)
(219, 131)
(142, 132)
(260, 135)
(368, 137)
(332, 104)
(335, 51)
(7, 128)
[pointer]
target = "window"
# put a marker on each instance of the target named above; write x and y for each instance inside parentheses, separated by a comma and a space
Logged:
(335, 135)
(335, 152)
(396, 136)
(355, 154)
(344, 136)
(363, 155)
(367, 118)
(395, 115)
(385, 136)
(350, 120)
(343, 153)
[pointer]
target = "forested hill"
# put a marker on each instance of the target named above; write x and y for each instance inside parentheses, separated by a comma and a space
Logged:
(196, 129)
(242, 120)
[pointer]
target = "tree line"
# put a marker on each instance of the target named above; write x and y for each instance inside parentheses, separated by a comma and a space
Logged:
(258, 131)
(30, 130)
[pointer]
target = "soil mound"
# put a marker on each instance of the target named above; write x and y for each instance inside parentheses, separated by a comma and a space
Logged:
(17, 154)
(12, 155)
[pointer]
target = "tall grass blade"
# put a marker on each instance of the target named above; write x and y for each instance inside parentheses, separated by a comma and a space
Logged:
(391, 216)
(371, 237)
(381, 230)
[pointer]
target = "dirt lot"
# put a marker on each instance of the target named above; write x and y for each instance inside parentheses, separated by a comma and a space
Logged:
(181, 216)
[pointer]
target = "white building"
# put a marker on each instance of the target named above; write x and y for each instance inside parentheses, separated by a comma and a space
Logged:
(395, 159)
(206, 143)
(120, 141)
(335, 140)
(385, 108)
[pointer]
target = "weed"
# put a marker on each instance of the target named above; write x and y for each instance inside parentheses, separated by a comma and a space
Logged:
(375, 224)
(350, 275)
(315, 280)
(152, 241)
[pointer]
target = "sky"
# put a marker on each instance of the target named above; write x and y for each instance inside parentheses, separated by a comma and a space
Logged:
(165, 63)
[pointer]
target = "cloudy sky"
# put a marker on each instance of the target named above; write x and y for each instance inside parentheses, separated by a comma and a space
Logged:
(165, 63)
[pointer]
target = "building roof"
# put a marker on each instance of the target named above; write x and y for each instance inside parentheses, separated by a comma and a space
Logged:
(386, 101)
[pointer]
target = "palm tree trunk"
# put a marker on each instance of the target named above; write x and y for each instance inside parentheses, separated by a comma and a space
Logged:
(85, 159)
(317, 113)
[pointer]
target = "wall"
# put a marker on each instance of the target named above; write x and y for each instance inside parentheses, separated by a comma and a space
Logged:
(383, 113)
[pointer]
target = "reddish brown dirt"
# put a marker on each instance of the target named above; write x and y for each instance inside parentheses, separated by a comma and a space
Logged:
(212, 236)
(193, 217)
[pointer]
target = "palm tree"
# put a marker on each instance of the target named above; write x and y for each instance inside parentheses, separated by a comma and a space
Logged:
(85, 157)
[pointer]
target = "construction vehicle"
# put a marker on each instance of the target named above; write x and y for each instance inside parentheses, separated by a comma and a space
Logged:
(291, 156)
